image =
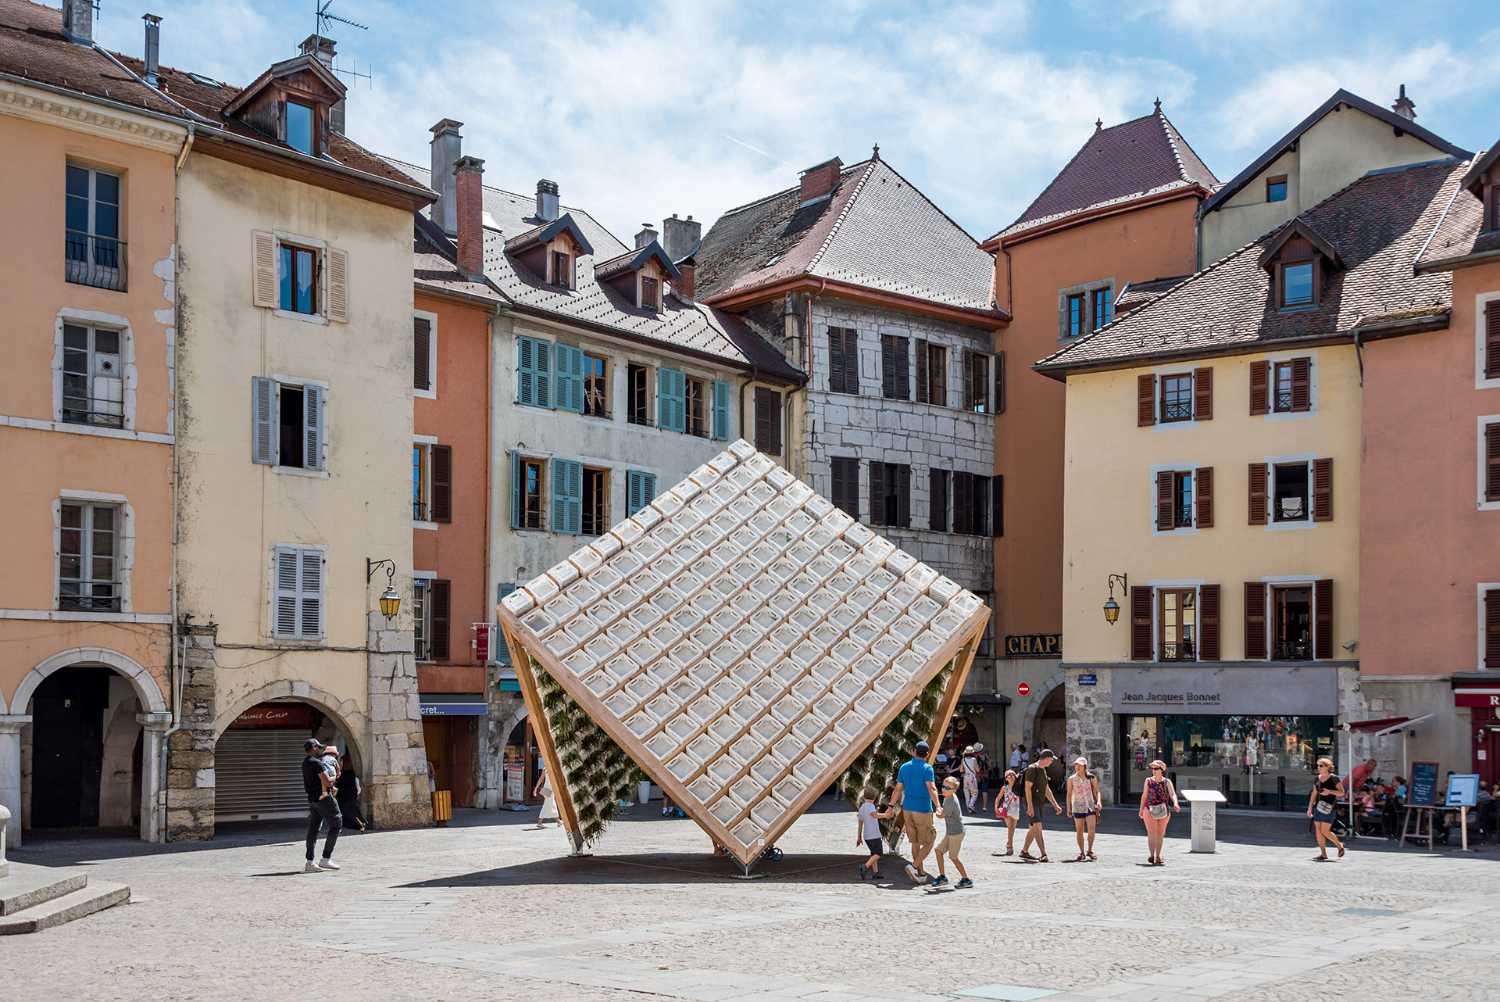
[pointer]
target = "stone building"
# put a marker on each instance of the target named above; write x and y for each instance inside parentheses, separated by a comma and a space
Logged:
(889, 307)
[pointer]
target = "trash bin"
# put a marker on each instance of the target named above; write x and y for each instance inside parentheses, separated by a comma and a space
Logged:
(442, 806)
(1203, 818)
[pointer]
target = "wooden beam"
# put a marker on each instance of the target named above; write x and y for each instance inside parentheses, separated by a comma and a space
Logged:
(965, 660)
(521, 661)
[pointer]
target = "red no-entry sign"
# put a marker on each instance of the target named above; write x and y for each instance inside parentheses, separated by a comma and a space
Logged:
(1023, 688)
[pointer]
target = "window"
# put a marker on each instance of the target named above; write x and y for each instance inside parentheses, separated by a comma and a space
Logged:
(421, 608)
(650, 293)
(638, 379)
(1489, 461)
(932, 373)
(1174, 500)
(1297, 284)
(431, 482)
(843, 360)
(528, 492)
(971, 504)
(697, 406)
(890, 494)
(1281, 387)
(94, 254)
(1291, 624)
(894, 378)
(87, 568)
(298, 600)
(595, 385)
(93, 387)
(1102, 306)
(640, 490)
(768, 421)
(287, 424)
(424, 355)
(1276, 188)
(1176, 615)
(299, 279)
(937, 500)
(595, 515)
(1290, 498)
(1487, 345)
(1489, 627)
(533, 371)
(845, 492)
(976, 382)
(299, 127)
(562, 269)
(1075, 320)
(1177, 397)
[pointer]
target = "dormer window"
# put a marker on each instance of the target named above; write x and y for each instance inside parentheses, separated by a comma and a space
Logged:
(650, 294)
(300, 132)
(1297, 284)
(1299, 260)
(562, 270)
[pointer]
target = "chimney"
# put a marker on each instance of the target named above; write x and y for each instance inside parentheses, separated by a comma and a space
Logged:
(321, 49)
(78, 21)
(153, 46)
(686, 269)
(644, 237)
(468, 184)
(680, 237)
(547, 208)
(447, 147)
(1404, 106)
(819, 181)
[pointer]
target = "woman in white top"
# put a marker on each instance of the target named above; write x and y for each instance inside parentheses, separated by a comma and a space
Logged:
(548, 812)
(1083, 804)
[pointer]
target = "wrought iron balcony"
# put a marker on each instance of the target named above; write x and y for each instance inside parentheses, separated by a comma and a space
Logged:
(95, 260)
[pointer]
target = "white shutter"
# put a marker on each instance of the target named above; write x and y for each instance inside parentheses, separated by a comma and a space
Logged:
(285, 603)
(312, 594)
(263, 270)
(312, 427)
(263, 401)
(338, 285)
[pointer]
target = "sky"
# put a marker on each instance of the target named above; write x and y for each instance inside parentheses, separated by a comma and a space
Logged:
(639, 111)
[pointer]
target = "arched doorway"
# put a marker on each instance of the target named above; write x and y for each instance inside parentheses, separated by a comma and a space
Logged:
(1051, 727)
(521, 764)
(258, 759)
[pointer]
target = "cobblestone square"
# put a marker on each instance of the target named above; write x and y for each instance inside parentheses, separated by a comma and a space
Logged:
(494, 909)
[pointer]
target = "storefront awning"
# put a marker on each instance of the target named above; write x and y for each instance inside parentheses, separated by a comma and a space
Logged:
(983, 699)
(454, 706)
(1385, 725)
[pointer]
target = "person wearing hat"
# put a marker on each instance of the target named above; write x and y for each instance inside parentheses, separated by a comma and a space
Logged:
(1082, 795)
(322, 807)
(1037, 790)
(969, 770)
(916, 791)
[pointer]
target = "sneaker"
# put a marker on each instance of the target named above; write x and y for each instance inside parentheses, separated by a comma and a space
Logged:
(911, 871)
(311, 867)
(327, 864)
(938, 881)
(966, 882)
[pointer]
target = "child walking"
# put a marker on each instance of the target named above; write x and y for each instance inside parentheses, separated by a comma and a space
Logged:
(868, 824)
(953, 837)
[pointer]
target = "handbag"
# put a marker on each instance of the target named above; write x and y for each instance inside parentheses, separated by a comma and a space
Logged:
(1158, 811)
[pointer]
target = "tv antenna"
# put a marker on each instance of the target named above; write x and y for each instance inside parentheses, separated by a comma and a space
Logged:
(325, 17)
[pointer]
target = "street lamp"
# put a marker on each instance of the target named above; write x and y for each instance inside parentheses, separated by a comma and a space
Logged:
(390, 602)
(1111, 607)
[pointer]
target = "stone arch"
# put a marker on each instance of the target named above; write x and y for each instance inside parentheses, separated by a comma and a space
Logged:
(345, 711)
(1041, 694)
(146, 689)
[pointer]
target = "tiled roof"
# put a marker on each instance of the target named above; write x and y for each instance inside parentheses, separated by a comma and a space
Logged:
(1377, 223)
(1141, 157)
(1137, 294)
(434, 264)
(1456, 235)
(877, 231)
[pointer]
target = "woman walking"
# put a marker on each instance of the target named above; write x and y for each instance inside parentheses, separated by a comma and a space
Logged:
(346, 791)
(1082, 793)
(1008, 806)
(1322, 807)
(548, 812)
(1158, 803)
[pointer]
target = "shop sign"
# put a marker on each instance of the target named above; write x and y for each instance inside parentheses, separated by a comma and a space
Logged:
(281, 715)
(1033, 645)
(515, 782)
(1476, 697)
(1268, 690)
(1088, 679)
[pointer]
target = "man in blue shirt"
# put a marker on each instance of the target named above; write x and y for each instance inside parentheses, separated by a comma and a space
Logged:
(916, 792)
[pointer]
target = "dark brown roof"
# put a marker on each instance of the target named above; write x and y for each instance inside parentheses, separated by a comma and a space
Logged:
(1141, 157)
(1377, 223)
(1137, 294)
(877, 232)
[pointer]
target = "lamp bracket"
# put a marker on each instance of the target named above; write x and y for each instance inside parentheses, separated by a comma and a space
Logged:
(371, 566)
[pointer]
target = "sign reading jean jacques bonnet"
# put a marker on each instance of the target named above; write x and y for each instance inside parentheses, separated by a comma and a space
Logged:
(742, 642)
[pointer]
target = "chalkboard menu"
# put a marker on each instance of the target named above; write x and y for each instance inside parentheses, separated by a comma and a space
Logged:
(1424, 779)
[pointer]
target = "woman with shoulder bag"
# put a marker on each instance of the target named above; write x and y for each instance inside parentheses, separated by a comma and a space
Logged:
(1008, 806)
(1158, 803)
(1322, 807)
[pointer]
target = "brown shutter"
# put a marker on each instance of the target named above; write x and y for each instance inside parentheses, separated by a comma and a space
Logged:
(1323, 620)
(1322, 490)
(1492, 339)
(421, 349)
(1145, 401)
(338, 285)
(1203, 496)
(1258, 493)
(768, 421)
(1208, 622)
(877, 493)
(1260, 387)
(835, 360)
(442, 483)
(438, 645)
(263, 270)
(1301, 384)
(921, 347)
(1255, 620)
(963, 502)
(1000, 380)
(1203, 394)
(1164, 501)
(1492, 462)
(1492, 629)
(1140, 623)
(903, 496)
(938, 363)
(840, 485)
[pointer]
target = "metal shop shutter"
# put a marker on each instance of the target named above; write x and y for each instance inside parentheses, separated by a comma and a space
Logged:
(258, 774)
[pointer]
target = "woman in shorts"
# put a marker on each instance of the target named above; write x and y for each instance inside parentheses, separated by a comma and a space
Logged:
(1158, 803)
(1322, 807)
(1082, 793)
(1008, 806)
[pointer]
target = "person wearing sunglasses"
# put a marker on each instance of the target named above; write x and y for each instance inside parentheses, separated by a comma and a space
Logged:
(1158, 804)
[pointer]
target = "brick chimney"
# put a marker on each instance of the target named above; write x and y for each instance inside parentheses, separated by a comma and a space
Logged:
(78, 21)
(468, 183)
(153, 47)
(680, 237)
(1404, 106)
(447, 147)
(686, 269)
(645, 237)
(321, 48)
(547, 205)
(820, 180)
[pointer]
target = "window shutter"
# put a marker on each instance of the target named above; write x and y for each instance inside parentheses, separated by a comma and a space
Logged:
(963, 503)
(1258, 504)
(937, 500)
(542, 377)
(837, 377)
(1145, 401)
(338, 285)
(632, 492)
(286, 592)
(845, 485)
(1492, 462)
(442, 483)
(938, 364)
(887, 370)
(312, 426)
(1255, 620)
(263, 269)
(671, 406)
(721, 410)
(999, 382)
(569, 378)
(311, 587)
(1203, 497)
(525, 370)
(499, 649)
(439, 640)
(997, 505)
(421, 348)
(1140, 622)
(901, 357)
(1260, 387)
(922, 372)
(1323, 619)
(1492, 629)
(1203, 394)
(1208, 622)
(567, 496)
(1301, 384)
(1322, 490)
(903, 496)
(981, 508)
(877, 493)
(263, 420)
(1492, 339)
(768, 421)
(648, 488)
(1164, 501)
(517, 493)
(851, 360)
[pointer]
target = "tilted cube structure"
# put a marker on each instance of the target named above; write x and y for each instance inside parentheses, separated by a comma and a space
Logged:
(743, 643)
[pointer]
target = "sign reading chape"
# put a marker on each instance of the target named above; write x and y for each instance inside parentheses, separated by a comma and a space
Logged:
(1269, 690)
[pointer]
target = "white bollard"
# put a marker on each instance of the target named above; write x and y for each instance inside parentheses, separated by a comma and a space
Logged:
(1204, 817)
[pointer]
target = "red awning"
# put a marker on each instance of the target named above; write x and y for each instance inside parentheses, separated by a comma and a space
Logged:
(1385, 725)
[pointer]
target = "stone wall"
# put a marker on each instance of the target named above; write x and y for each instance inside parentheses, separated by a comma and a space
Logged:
(190, 749)
(506, 709)
(398, 789)
(1091, 725)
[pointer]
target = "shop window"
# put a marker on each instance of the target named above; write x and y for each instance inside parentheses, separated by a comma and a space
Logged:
(1291, 624)
(1176, 615)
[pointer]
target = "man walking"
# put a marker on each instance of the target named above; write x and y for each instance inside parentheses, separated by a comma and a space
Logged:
(322, 806)
(916, 790)
(1037, 788)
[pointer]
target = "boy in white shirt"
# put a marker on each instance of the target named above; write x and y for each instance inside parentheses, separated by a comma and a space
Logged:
(868, 834)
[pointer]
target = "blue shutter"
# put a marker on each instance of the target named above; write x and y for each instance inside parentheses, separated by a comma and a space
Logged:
(543, 351)
(721, 410)
(516, 495)
(567, 496)
(264, 396)
(671, 399)
(640, 490)
(525, 370)
(312, 426)
(570, 378)
(663, 398)
(648, 488)
(499, 649)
